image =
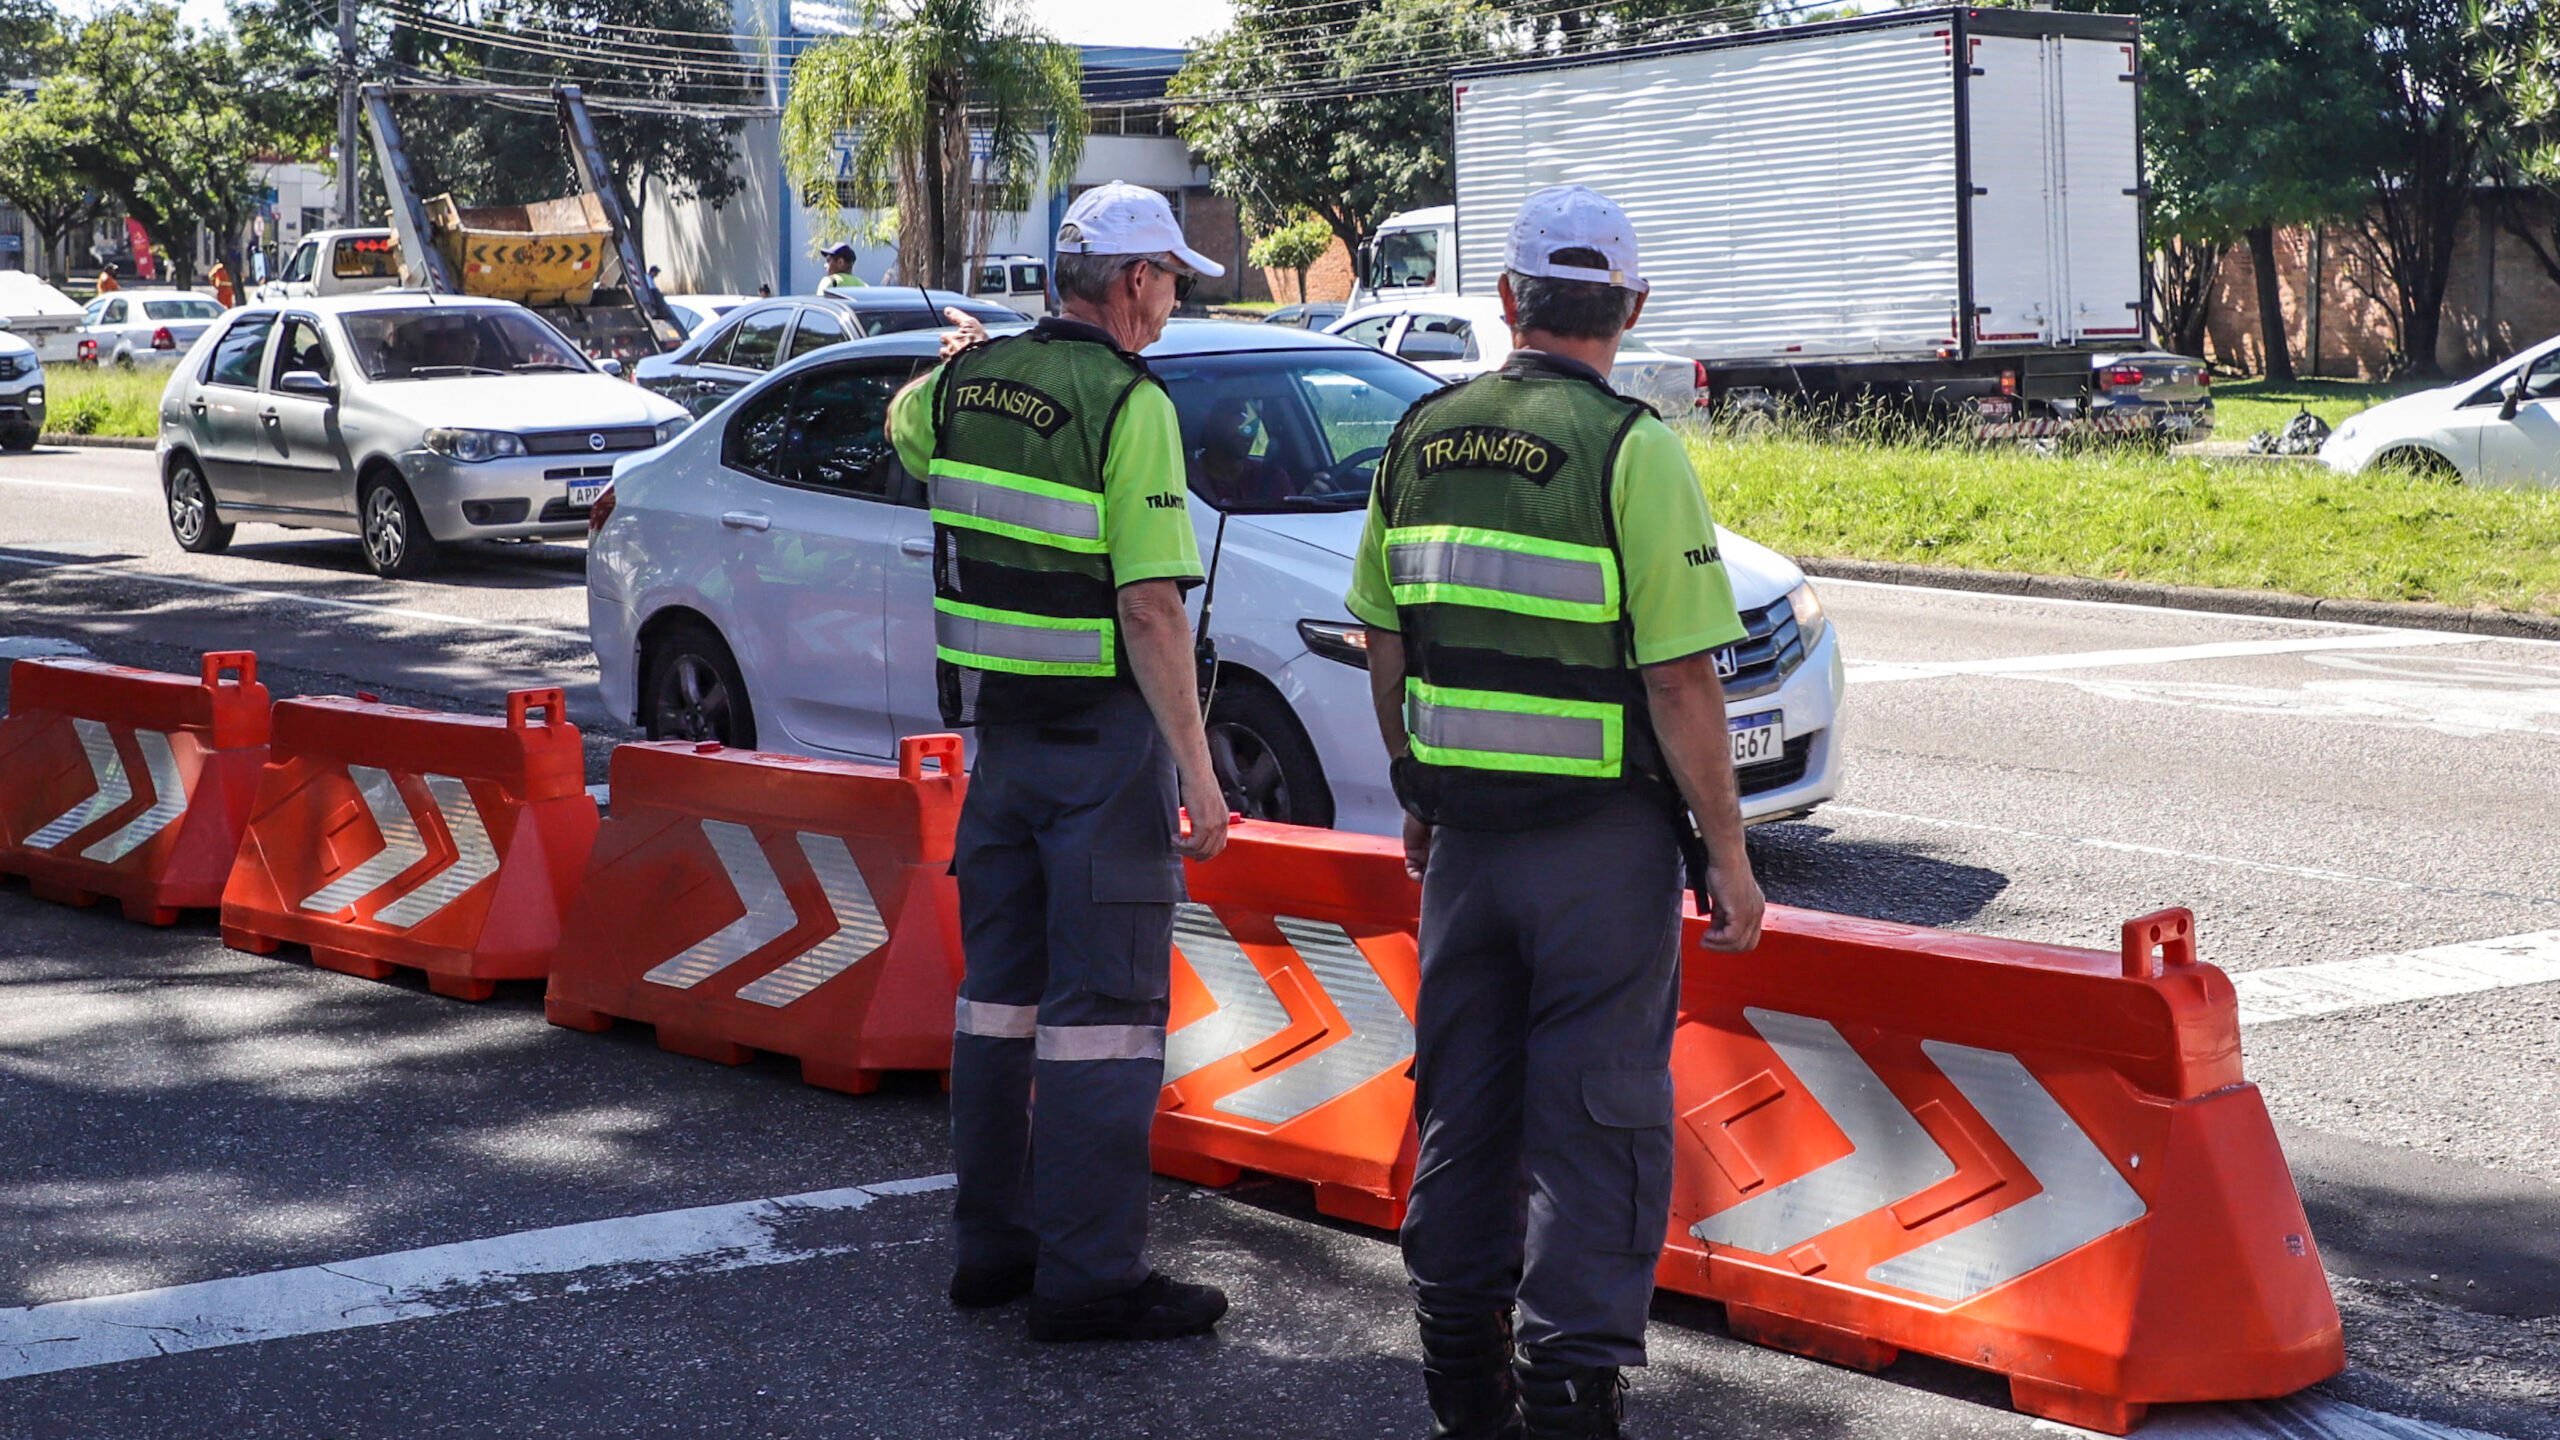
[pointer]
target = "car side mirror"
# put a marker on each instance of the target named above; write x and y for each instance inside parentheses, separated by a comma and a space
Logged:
(1432, 345)
(308, 383)
(2512, 394)
(610, 366)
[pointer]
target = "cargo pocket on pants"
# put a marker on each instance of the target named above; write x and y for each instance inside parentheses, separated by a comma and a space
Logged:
(1131, 957)
(1633, 1110)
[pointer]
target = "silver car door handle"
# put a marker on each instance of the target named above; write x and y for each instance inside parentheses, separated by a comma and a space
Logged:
(916, 545)
(746, 520)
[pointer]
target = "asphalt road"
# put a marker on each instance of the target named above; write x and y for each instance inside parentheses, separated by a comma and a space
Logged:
(172, 1112)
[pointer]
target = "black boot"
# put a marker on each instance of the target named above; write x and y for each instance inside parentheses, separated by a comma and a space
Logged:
(1571, 1402)
(1466, 1370)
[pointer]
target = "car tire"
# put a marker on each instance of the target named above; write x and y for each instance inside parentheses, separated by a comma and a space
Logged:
(19, 440)
(2418, 464)
(124, 361)
(1265, 763)
(690, 689)
(394, 535)
(194, 522)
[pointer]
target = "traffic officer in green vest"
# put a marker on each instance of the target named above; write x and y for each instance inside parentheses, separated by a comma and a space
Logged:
(1062, 545)
(839, 276)
(1544, 597)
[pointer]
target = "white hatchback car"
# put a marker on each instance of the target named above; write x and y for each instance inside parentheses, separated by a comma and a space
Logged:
(2500, 427)
(1457, 337)
(766, 580)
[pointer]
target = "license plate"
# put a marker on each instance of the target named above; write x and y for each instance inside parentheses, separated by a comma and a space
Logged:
(586, 493)
(1757, 739)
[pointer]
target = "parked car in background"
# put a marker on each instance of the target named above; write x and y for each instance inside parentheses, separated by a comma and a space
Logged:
(42, 316)
(127, 328)
(2170, 394)
(2500, 427)
(766, 580)
(22, 396)
(1018, 282)
(412, 421)
(1305, 317)
(697, 311)
(336, 262)
(1457, 337)
(718, 362)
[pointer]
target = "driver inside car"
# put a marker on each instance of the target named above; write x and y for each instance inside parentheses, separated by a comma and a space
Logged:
(1226, 464)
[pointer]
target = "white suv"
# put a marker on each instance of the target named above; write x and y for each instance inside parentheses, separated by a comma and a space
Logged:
(766, 580)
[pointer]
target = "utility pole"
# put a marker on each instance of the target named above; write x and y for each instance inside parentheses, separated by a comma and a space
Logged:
(347, 161)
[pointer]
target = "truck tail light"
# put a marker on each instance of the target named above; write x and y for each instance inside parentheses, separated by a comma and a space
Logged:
(1699, 378)
(2123, 377)
(601, 511)
(161, 339)
(2008, 382)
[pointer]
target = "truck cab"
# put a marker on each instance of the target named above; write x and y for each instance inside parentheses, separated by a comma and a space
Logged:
(336, 262)
(1020, 282)
(1413, 253)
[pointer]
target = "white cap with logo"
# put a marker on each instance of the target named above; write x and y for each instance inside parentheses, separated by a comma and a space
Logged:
(1574, 217)
(1125, 219)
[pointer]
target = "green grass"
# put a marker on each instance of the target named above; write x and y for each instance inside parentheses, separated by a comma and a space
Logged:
(2245, 407)
(2138, 515)
(103, 401)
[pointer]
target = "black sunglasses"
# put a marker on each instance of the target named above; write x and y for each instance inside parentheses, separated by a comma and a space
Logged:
(1182, 281)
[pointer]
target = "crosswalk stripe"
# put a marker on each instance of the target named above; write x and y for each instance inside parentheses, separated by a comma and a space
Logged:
(2294, 992)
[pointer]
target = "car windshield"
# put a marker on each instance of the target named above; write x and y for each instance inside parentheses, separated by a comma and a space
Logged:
(434, 343)
(1287, 430)
(181, 310)
(881, 317)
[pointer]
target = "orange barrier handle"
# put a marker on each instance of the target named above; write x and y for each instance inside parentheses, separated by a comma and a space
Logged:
(552, 702)
(914, 750)
(243, 663)
(2158, 942)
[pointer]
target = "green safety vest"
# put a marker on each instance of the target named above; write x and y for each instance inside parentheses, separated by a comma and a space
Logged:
(1024, 609)
(1523, 706)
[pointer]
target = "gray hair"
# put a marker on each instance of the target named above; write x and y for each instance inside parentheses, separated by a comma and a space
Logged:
(1089, 277)
(1575, 309)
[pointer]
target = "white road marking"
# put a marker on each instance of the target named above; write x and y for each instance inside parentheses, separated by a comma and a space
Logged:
(1877, 672)
(438, 1280)
(2263, 867)
(318, 601)
(2137, 608)
(2296, 991)
(2296, 1417)
(72, 485)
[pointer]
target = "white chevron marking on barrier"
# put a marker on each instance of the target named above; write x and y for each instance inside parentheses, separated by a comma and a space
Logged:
(168, 801)
(769, 913)
(1380, 1038)
(859, 932)
(402, 845)
(2081, 1196)
(475, 858)
(106, 767)
(1248, 1012)
(1890, 1156)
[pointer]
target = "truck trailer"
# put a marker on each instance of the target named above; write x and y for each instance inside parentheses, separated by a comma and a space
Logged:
(1931, 211)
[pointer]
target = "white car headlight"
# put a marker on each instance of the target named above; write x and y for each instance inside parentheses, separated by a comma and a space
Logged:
(668, 430)
(1810, 621)
(473, 446)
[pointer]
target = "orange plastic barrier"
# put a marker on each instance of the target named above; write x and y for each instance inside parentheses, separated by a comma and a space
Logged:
(2030, 1159)
(129, 783)
(741, 901)
(1290, 1045)
(390, 837)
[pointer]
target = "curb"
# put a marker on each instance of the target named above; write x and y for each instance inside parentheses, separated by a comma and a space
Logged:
(99, 442)
(2505, 624)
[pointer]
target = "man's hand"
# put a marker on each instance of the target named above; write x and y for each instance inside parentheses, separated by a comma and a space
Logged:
(1734, 895)
(1208, 817)
(965, 332)
(1417, 845)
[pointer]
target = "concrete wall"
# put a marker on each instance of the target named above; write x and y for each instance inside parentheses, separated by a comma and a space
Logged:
(2498, 300)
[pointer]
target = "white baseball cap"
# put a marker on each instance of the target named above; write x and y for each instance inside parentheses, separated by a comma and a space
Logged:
(1570, 217)
(1125, 219)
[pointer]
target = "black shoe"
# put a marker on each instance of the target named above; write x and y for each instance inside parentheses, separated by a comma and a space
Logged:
(1466, 1370)
(1571, 1402)
(981, 1287)
(1156, 1308)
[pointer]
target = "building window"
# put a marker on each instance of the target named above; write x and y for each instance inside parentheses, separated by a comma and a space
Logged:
(1149, 119)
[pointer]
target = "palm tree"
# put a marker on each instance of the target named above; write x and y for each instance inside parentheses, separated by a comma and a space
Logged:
(907, 95)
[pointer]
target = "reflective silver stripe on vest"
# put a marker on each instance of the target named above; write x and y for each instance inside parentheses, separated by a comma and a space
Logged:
(1101, 1042)
(996, 1022)
(1033, 644)
(986, 500)
(1505, 732)
(1484, 567)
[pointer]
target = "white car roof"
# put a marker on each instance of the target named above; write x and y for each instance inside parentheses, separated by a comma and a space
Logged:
(1480, 309)
(389, 300)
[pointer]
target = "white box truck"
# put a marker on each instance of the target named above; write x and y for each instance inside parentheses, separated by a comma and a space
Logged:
(1933, 209)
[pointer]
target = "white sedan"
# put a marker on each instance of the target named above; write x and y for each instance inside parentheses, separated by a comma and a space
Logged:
(1458, 337)
(2500, 427)
(767, 579)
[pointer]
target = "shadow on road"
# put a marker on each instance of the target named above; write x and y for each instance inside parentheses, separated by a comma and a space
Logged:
(1810, 867)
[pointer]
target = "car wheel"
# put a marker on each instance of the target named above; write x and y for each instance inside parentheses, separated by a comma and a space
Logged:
(18, 440)
(396, 542)
(2418, 465)
(124, 362)
(1265, 764)
(691, 690)
(193, 520)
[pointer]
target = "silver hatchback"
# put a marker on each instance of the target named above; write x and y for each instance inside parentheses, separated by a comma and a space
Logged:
(408, 420)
